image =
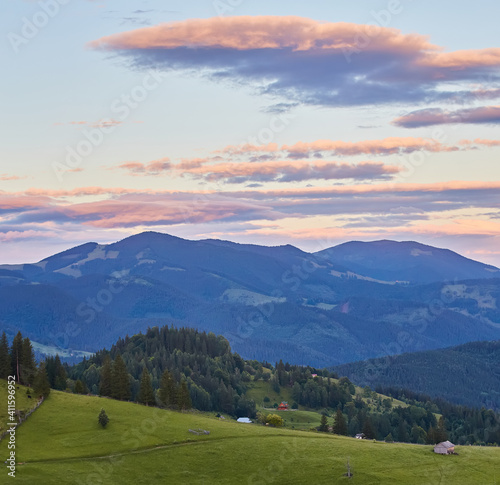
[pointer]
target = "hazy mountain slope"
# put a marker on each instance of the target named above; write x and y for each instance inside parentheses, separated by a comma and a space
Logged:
(270, 302)
(467, 374)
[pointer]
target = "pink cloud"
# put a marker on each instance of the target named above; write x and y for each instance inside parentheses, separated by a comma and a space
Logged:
(152, 168)
(453, 209)
(5, 177)
(386, 146)
(480, 141)
(260, 32)
(438, 116)
(312, 62)
(13, 236)
(285, 171)
(464, 59)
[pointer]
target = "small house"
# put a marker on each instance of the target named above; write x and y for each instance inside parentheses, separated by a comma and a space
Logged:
(360, 436)
(283, 406)
(244, 420)
(445, 448)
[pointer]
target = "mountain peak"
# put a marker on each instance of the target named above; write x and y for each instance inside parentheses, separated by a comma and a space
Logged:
(406, 261)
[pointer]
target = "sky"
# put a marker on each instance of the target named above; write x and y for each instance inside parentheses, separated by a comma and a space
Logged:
(266, 122)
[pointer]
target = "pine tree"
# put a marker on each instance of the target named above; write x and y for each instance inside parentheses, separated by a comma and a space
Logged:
(80, 387)
(41, 384)
(59, 374)
(323, 427)
(27, 364)
(340, 425)
(120, 385)
(431, 436)
(402, 432)
(146, 395)
(440, 433)
(103, 418)
(368, 429)
(168, 392)
(16, 356)
(106, 377)
(183, 397)
(4, 357)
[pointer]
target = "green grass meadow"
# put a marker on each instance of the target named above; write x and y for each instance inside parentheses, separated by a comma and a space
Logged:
(62, 443)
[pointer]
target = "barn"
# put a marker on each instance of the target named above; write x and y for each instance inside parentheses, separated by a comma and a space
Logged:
(444, 448)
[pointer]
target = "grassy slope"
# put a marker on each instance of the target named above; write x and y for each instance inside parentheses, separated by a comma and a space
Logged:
(304, 418)
(22, 402)
(62, 443)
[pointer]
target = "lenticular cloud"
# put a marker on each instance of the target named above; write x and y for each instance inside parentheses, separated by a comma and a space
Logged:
(310, 62)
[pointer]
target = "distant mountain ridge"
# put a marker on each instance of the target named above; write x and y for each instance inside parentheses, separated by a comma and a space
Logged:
(406, 261)
(270, 302)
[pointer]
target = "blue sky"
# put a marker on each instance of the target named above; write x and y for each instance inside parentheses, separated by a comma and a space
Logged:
(266, 122)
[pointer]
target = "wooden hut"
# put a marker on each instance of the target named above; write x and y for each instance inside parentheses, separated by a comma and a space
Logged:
(445, 448)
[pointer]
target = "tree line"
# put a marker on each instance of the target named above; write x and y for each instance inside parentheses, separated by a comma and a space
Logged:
(175, 367)
(180, 368)
(19, 360)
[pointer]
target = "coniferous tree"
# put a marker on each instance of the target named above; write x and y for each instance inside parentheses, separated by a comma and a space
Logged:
(402, 432)
(56, 373)
(183, 397)
(106, 377)
(16, 356)
(59, 374)
(168, 392)
(41, 384)
(146, 395)
(440, 433)
(431, 436)
(103, 418)
(120, 385)
(368, 429)
(28, 364)
(80, 387)
(323, 427)
(5, 366)
(340, 425)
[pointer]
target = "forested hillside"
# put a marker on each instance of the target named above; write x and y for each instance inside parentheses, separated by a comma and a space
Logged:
(180, 368)
(467, 374)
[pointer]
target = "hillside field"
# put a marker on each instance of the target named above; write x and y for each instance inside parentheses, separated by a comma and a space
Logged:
(62, 443)
(303, 418)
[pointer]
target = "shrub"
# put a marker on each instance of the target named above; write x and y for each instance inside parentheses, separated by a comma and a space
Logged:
(103, 418)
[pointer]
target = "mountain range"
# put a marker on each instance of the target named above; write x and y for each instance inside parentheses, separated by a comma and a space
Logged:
(350, 302)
